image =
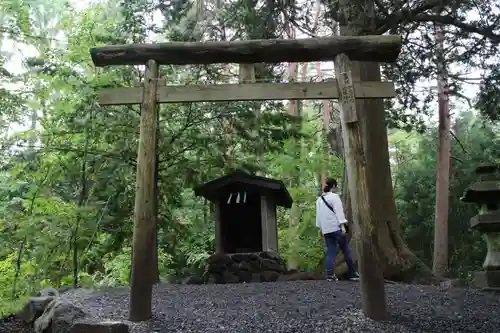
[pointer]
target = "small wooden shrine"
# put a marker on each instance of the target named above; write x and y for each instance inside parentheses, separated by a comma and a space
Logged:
(245, 211)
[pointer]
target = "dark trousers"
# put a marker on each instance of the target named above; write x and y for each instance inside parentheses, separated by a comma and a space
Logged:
(333, 239)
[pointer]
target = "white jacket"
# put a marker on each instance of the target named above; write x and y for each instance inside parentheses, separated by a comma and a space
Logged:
(326, 220)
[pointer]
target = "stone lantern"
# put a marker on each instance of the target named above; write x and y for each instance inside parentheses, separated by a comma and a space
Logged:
(485, 193)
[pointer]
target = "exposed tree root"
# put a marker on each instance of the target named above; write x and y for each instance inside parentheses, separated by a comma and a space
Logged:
(399, 263)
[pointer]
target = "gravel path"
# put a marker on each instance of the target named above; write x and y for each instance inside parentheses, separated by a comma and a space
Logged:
(11, 324)
(298, 306)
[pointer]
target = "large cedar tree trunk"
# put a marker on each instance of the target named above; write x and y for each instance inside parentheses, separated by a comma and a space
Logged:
(398, 262)
(335, 141)
(440, 260)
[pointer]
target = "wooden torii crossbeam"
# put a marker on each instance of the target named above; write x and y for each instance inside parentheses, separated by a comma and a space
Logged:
(244, 92)
(342, 49)
(359, 48)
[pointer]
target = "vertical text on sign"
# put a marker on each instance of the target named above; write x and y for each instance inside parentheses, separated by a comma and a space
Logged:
(347, 97)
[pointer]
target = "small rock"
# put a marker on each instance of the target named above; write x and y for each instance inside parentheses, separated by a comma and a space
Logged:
(271, 265)
(253, 257)
(34, 308)
(299, 276)
(451, 283)
(212, 279)
(100, 327)
(245, 266)
(255, 266)
(269, 276)
(230, 277)
(245, 276)
(218, 259)
(60, 318)
(238, 257)
(192, 280)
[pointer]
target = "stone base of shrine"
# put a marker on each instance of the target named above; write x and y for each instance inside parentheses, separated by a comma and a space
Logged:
(487, 279)
(265, 266)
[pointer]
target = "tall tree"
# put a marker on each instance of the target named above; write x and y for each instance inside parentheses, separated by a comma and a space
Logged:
(440, 262)
(395, 258)
(411, 20)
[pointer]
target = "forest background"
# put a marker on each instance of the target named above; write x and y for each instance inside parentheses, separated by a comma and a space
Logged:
(67, 165)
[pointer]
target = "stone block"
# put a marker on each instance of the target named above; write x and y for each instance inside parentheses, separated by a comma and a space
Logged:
(255, 278)
(269, 276)
(486, 222)
(59, 317)
(244, 266)
(219, 259)
(299, 276)
(487, 279)
(100, 327)
(452, 283)
(271, 265)
(192, 280)
(230, 277)
(273, 255)
(246, 276)
(492, 260)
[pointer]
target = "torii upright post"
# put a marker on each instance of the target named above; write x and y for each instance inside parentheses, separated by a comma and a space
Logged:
(372, 280)
(144, 219)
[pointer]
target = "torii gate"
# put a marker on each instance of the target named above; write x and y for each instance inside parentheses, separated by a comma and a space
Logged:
(342, 49)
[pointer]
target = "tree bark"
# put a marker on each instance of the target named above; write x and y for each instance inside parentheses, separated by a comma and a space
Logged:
(294, 109)
(440, 260)
(154, 267)
(326, 127)
(398, 263)
(336, 144)
(335, 140)
(81, 201)
(373, 297)
(369, 48)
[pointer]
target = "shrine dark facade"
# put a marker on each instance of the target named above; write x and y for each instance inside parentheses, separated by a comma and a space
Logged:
(245, 211)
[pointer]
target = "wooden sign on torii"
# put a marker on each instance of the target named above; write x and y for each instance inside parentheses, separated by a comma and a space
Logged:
(341, 49)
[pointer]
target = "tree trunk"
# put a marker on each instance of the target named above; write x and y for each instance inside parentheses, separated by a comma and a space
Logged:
(326, 127)
(440, 262)
(81, 201)
(397, 261)
(336, 145)
(154, 267)
(373, 299)
(294, 109)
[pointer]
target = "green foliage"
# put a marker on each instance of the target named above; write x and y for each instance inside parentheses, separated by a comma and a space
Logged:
(9, 304)
(67, 182)
(488, 100)
(299, 165)
(414, 178)
(68, 188)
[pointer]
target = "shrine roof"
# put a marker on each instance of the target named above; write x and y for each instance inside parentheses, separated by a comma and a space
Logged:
(239, 180)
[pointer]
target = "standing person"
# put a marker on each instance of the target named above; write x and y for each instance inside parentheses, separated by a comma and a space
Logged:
(331, 222)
